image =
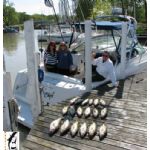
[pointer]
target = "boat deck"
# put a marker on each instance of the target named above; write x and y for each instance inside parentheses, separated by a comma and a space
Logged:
(126, 120)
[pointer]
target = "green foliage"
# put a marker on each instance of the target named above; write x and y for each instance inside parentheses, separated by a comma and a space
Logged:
(10, 17)
(101, 7)
(22, 16)
(84, 9)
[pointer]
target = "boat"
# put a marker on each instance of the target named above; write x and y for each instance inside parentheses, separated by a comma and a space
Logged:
(57, 36)
(10, 30)
(128, 59)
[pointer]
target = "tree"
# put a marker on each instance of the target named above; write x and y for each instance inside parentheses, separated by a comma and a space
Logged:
(10, 17)
(84, 9)
(23, 17)
(101, 7)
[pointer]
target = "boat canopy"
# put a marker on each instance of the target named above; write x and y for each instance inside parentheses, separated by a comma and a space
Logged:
(102, 25)
(108, 25)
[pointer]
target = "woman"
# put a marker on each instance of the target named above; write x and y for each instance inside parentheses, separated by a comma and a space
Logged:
(50, 57)
(64, 59)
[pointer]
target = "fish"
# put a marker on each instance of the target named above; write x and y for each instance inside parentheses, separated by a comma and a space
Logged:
(64, 127)
(72, 101)
(85, 102)
(74, 128)
(54, 126)
(102, 102)
(79, 111)
(65, 110)
(71, 111)
(103, 113)
(87, 112)
(102, 131)
(90, 101)
(95, 112)
(83, 130)
(92, 130)
(96, 102)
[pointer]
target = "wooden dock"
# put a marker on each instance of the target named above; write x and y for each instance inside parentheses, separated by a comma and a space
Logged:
(126, 121)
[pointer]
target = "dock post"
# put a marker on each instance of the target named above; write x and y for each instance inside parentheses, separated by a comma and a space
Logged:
(123, 50)
(88, 66)
(7, 95)
(33, 93)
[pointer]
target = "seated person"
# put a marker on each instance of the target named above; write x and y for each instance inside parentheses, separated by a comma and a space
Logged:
(50, 57)
(65, 60)
(104, 68)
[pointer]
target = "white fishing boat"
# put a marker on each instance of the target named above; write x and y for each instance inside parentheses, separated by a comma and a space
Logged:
(128, 55)
(64, 34)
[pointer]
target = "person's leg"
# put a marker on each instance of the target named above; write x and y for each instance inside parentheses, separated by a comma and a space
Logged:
(97, 77)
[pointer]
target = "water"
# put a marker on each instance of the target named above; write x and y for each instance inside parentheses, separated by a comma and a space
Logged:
(15, 52)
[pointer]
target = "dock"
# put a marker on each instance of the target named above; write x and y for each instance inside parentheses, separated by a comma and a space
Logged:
(126, 120)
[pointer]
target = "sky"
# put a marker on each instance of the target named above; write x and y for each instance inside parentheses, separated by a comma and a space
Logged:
(34, 6)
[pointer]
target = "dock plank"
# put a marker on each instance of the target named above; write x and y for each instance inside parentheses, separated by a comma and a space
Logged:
(126, 120)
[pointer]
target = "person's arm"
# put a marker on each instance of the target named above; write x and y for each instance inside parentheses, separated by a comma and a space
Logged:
(70, 59)
(95, 61)
(45, 55)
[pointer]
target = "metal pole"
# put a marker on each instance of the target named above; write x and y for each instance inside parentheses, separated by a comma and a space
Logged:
(88, 67)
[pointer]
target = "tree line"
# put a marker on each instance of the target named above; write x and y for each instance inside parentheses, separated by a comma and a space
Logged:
(12, 17)
(86, 9)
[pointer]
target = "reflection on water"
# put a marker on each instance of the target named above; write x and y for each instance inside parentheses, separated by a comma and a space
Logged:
(11, 41)
(15, 52)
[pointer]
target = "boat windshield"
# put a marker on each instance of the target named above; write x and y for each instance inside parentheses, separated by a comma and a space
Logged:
(133, 45)
(101, 43)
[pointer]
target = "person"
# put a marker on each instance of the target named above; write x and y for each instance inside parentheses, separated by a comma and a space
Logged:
(65, 60)
(50, 57)
(104, 68)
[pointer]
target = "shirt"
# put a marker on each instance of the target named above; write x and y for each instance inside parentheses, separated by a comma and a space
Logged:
(64, 60)
(50, 59)
(106, 69)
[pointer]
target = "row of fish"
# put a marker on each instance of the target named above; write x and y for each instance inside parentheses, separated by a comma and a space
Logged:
(87, 112)
(89, 102)
(74, 129)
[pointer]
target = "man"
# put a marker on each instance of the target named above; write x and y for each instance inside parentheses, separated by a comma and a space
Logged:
(104, 68)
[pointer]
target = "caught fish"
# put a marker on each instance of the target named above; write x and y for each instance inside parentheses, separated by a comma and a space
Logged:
(54, 126)
(90, 101)
(87, 112)
(103, 113)
(72, 101)
(102, 131)
(95, 113)
(71, 111)
(65, 110)
(74, 128)
(102, 102)
(83, 130)
(96, 102)
(79, 111)
(64, 127)
(85, 102)
(92, 130)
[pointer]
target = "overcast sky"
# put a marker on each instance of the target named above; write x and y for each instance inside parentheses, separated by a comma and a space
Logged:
(34, 6)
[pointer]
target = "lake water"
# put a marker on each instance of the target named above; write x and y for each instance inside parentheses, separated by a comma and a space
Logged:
(15, 52)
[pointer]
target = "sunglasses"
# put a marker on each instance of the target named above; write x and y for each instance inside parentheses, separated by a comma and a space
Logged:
(105, 55)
